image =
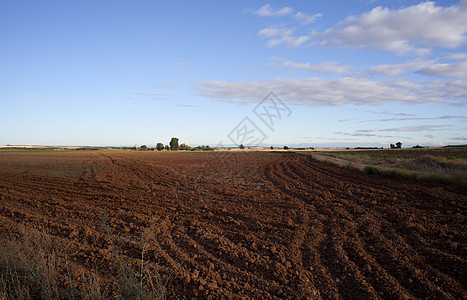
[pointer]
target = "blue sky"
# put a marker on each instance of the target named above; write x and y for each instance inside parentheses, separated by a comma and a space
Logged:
(347, 73)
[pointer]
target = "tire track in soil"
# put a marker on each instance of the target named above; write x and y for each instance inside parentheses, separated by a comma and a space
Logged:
(423, 285)
(419, 265)
(320, 284)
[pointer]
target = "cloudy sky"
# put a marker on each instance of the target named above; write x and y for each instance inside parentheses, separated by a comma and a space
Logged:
(301, 73)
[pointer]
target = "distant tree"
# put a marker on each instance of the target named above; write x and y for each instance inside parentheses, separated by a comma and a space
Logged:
(144, 148)
(185, 147)
(398, 145)
(392, 146)
(286, 147)
(160, 146)
(202, 148)
(135, 147)
(271, 147)
(241, 146)
(174, 144)
(167, 147)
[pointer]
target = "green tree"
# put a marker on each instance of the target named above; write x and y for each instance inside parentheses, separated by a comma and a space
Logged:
(159, 146)
(271, 147)
(392, 146)
(174, 144)
(167, 147)
(241, 146)
(185, 147)
(144, 148)
(286, 147)
(398, 145)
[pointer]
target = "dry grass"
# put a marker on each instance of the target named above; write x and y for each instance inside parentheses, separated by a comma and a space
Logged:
(426, 167)
(33, 266)
(28, 268)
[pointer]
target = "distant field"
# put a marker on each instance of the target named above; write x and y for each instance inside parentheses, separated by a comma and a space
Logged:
(256, 225)
(444, 164)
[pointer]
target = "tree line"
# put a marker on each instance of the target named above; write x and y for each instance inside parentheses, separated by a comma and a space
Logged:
(173, 146)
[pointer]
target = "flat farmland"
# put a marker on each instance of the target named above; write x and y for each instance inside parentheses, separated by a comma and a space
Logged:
(221, 225)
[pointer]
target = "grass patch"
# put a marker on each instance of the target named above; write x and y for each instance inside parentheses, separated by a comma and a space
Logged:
(28, 268)
(442, 169)
(34, 266)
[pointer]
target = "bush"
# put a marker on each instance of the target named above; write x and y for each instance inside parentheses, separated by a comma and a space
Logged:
(185, 147)
(371, 170)
(202, 148)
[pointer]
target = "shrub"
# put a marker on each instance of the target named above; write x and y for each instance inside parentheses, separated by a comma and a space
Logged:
(184, 147)
(371, 170)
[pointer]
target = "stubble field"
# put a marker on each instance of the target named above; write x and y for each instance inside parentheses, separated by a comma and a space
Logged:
(236, 225)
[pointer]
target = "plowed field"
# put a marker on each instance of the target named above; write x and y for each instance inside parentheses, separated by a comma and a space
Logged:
(254, 225)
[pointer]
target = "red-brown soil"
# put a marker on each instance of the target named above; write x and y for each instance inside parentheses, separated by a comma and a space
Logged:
(236, 225)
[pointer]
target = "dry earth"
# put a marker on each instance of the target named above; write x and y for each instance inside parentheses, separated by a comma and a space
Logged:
(242, 225)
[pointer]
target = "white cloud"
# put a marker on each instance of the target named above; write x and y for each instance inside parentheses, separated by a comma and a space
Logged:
(397, 69)
(389, 113)
(305, 18)
(323, 67)
(283, 36)
(446, 117)
(268, 11)
(331, 92)
(457, 56)
(273, 31)
(458, 69)
(425, 67)
(416, 128)
(187, 105)
(289, 41)
(364, 133)
(412, 29)
(164, 86)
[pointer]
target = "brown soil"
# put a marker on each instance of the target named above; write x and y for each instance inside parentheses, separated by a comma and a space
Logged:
(243, 225)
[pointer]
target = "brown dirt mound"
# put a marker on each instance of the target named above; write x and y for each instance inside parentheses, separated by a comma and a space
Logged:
(255, 225)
